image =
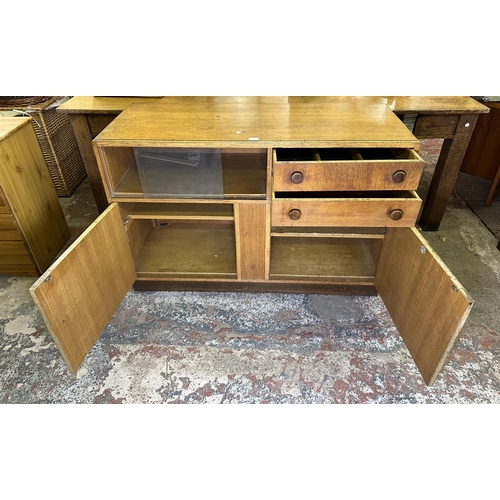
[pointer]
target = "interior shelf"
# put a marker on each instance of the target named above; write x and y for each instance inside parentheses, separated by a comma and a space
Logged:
(183, 211)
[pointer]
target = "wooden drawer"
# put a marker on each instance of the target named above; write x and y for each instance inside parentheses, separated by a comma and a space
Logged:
(342, 169)
(19, 269)
(401, 211)
(14, 253)
(8, 228)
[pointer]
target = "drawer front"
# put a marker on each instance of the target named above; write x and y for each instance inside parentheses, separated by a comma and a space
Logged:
(14, 253)
(363, 212)
(8, 228)
(19, 270)
(401, 173)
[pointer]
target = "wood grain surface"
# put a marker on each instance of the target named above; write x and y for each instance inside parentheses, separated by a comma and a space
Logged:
(80, 292)
(426, 302)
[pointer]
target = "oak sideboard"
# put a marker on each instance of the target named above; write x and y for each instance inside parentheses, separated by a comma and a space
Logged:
(275, 197)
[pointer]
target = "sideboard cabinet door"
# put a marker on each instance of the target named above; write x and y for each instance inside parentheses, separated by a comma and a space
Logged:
(79, 293)
(427, 303)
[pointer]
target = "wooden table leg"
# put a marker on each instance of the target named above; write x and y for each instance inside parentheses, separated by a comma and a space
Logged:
(446, 173)
(493, 188)
(84, 141)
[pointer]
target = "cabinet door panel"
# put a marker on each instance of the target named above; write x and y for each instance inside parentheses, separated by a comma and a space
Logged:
(79, 293)
(427, 304)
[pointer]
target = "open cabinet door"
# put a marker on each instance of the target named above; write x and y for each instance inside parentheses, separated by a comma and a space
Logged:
(427, 304)
(79, 293)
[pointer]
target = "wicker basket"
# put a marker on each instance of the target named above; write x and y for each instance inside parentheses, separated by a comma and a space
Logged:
(56, 138)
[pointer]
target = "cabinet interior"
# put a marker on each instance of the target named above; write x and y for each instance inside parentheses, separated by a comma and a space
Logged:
(183, 240)
(175, 239)
(323, 253)
(198, 241)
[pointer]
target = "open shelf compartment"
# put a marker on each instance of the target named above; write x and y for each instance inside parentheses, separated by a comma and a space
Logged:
(244, 174)
(324, 258)
(177, 249)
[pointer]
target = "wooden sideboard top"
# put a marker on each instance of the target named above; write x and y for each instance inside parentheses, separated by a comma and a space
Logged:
(341, 124)
(398, 104)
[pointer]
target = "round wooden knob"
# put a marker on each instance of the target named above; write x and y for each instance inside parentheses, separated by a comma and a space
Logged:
(396, 214)
(294, 214)
(297, 177)
(399, 176)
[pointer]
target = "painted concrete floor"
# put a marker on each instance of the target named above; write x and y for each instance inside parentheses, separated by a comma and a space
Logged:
(175, 347)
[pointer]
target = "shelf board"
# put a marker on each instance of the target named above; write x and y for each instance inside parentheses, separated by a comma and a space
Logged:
(184, 212)
(190, 252)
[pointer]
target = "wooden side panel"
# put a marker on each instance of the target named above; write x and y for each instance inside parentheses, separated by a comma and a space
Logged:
(427, 304)
(29, 191)
(97, 123)
(8, 228)
(79, 293)
(114, 164)
(138, 232)
(252, 240)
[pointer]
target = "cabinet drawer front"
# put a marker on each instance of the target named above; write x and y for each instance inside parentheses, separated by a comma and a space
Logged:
(19, 269)
(402, 172)
(14, 253)
(8, 229)
(363, 212)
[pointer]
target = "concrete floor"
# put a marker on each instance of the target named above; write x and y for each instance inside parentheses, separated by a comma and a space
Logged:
(175, 347)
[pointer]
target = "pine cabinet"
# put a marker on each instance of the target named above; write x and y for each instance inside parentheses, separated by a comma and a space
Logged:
(33, 228)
